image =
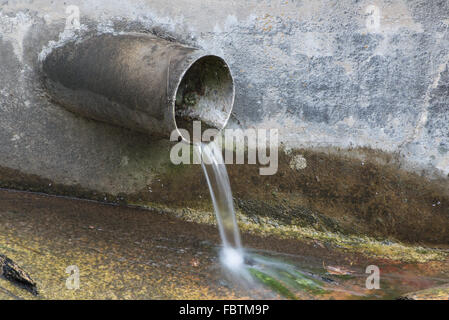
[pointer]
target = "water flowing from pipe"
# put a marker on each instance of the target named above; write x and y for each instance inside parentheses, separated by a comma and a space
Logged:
(248, 268)
(220, 190)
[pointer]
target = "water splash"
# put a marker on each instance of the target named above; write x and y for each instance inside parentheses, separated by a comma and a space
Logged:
(232, 259)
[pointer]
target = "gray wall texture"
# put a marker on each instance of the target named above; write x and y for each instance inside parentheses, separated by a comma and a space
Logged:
(342, 74)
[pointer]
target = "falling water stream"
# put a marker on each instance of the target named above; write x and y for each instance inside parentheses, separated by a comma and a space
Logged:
(245, 266)
(220, 190)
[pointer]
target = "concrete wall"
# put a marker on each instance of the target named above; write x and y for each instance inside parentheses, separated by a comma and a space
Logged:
(337, 75)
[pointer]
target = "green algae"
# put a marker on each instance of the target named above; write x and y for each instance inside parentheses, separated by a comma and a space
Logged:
(272, 283)
(300, 281)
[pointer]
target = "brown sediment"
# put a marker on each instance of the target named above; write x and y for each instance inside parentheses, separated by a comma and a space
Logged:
(128, 253)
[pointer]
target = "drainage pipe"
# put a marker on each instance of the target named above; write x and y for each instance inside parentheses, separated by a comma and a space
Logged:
(141, 82)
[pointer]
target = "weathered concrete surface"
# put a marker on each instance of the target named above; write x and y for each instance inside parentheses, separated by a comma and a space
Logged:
(327, 74)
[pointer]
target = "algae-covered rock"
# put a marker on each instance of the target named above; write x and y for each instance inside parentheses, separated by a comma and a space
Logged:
(272, 283)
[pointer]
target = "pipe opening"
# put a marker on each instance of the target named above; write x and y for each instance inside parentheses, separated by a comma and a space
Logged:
(206, 94)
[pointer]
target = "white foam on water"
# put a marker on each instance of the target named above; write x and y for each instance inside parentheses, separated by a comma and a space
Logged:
(232, 259)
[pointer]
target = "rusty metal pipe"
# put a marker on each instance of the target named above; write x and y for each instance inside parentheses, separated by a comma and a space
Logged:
(141, 82)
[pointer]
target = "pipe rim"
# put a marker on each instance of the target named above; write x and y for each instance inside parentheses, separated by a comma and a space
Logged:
(181, 78)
